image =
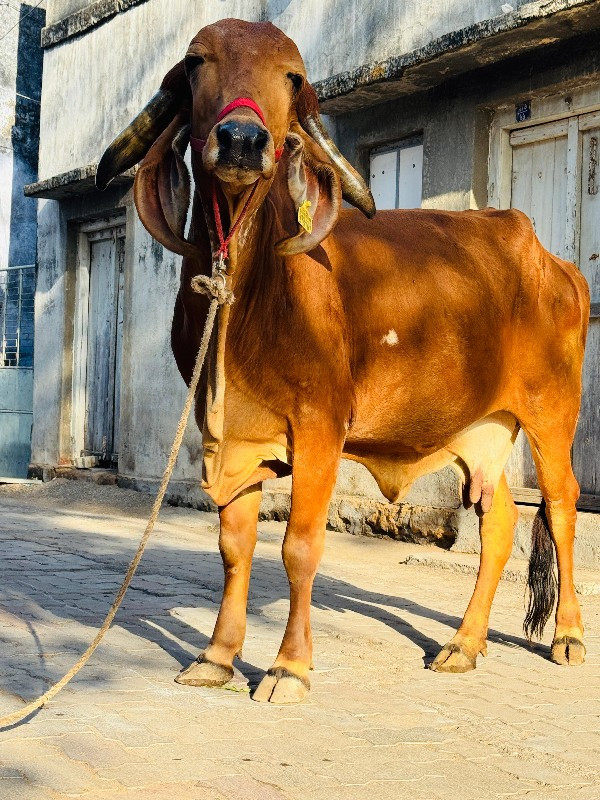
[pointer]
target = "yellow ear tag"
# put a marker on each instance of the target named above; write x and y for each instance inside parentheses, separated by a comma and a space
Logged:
(304, 217)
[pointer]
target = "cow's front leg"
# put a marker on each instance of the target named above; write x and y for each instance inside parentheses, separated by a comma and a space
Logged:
(237, 540)
(316, 460)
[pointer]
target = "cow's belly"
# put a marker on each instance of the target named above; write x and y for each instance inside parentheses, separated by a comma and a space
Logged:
(478, 453)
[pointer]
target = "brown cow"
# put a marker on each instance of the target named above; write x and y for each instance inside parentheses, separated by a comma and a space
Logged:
(407, 342)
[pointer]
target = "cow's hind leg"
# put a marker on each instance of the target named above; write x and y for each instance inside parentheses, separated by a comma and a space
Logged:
(496, 529)
(237, 540)
(552, 456)
(316, 459)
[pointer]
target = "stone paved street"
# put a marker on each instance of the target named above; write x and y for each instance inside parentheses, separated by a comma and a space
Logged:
(376, 724)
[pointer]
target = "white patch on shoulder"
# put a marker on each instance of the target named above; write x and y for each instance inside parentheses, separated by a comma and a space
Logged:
(390, 338)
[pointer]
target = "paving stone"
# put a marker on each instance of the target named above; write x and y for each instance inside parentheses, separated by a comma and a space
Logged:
(21, 789)
(376, 725)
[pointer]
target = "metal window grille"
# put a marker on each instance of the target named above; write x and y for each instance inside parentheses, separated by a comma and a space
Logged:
(17, 293)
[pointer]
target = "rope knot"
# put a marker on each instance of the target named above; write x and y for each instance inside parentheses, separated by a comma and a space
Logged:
(214, 288)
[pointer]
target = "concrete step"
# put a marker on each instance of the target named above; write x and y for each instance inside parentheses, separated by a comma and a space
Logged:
(587, 537)
(18, 481)
(587, 581)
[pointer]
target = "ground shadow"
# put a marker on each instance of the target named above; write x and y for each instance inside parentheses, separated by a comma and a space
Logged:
(169, 577)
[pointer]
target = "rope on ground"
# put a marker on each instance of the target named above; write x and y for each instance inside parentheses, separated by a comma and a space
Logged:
(210, 287)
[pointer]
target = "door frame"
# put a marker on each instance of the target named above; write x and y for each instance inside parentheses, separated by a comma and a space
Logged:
(560, 105)
(579, 110)
(87, 232)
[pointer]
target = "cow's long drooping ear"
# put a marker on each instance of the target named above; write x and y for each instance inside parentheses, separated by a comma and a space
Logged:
(162, 188)
(130, 146)
(354, 190)
(315, 187)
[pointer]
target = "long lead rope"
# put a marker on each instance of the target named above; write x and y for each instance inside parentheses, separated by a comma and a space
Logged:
(219, 295)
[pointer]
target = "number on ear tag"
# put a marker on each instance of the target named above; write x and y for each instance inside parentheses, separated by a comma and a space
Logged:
(304, 217)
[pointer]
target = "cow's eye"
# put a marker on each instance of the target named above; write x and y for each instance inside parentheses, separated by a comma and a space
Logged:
(192, 63)
(297, 80)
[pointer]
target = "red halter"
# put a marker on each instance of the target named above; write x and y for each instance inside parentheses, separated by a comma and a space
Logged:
(198, 145)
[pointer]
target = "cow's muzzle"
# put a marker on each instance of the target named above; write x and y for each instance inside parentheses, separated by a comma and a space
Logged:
(241, 144)
(239, 150)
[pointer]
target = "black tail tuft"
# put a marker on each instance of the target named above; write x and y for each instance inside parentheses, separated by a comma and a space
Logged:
(541, 580)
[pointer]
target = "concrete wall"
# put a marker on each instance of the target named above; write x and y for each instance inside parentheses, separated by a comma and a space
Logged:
(118, 66)
(20, 82)
(355, 32)
(152, 390)
(58, 9)
(362, 31)
(20, 87)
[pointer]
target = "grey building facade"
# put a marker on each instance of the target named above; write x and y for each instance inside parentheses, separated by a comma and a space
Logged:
(442, 104)
(20, 89)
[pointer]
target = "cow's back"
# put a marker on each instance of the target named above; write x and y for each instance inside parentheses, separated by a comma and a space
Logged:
(441, 305)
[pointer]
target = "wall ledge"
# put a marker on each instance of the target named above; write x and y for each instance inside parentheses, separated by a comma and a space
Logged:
(84, 20)
(534, 25)
(74, 183)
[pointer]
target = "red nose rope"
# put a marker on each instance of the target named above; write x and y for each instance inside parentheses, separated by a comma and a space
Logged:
(198, 146)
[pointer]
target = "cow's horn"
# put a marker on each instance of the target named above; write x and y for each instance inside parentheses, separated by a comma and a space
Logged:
(133, 143)
(354, 189)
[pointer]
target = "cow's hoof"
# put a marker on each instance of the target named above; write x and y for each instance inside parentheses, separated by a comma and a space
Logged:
(452, 658)
(280, 686)
(205, 673)
(568, 651)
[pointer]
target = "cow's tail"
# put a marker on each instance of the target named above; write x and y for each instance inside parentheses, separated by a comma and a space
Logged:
(541, 579)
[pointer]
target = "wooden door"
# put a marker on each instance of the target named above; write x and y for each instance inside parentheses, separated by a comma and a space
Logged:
(98, 342)
(586, 450)
(555, 182)
(539, 188)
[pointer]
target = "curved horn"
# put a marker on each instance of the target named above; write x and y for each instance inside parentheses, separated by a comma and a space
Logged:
(354, 189)
(133, 143)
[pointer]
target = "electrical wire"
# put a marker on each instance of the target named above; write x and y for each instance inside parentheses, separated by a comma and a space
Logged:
(16, 25)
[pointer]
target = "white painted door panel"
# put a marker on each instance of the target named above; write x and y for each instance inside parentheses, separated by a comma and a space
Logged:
(539, 189)
(410, 177)
(384, 178)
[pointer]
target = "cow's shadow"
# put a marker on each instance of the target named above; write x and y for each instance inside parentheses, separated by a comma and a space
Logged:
(172, 578)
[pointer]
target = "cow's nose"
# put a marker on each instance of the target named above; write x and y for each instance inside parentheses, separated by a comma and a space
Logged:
(241, 140)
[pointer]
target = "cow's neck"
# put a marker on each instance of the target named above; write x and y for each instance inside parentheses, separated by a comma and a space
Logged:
(246, 257)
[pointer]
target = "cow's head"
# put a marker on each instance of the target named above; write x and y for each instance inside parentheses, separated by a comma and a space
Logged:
(237, 143)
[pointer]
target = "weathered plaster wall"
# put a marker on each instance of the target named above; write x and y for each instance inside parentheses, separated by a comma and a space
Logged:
(8, 75)
(361, 31)
(50, 323)
(454, 118)
(152, 390)
(20, 82)
(58, 9)
(356, 32)
(96, 83)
